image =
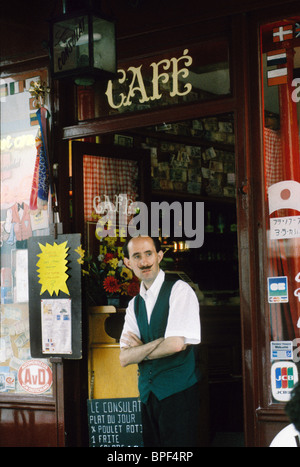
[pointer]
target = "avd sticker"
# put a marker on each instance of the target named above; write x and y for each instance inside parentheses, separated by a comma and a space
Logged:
(35, 376)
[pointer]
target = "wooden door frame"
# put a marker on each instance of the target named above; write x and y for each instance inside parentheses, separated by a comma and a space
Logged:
(235, 103)
(268, 418)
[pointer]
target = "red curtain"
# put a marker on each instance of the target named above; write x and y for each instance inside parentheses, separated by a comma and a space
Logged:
(282, 162)
(107, 176)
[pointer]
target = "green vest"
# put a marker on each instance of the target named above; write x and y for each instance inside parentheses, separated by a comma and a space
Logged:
(168, 375)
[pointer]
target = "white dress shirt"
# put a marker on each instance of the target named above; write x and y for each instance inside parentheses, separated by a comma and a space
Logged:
(184, 316)
(289, 437)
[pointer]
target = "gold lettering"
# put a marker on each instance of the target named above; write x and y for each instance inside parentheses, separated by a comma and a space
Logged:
(156, 76)
(141, 87)
(109, 91)
(102, 250)
(122, 234)
(183, 71)
(171, 68)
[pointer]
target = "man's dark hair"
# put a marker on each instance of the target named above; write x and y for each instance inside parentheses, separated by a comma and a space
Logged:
(155, 240)
(292, 408)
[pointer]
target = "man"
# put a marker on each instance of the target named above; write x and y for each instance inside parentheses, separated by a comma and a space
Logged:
(161, 329)
(289, 437)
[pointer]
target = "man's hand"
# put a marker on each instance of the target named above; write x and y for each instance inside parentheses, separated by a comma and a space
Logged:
(135, 351)
(131, 340)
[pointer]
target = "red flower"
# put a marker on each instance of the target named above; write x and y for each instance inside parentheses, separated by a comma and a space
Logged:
(108, 257)
(111, 284)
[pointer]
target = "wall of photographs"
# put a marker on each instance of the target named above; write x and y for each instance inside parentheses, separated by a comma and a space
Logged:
(195, 157)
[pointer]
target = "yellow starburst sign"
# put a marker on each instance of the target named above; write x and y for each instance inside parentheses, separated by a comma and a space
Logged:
(52, 267)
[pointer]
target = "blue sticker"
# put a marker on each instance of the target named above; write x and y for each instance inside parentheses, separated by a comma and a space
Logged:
(278, 289)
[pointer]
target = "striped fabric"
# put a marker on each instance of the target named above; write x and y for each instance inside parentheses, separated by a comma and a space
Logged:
(107, 176)
(273, 157)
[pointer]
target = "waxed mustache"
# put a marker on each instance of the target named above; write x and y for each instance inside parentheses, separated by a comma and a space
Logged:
(145, 268)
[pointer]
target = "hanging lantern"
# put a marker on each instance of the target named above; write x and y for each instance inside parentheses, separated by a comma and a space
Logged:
(83, 47)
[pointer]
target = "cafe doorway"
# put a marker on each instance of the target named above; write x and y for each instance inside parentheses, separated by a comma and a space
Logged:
(192, 161)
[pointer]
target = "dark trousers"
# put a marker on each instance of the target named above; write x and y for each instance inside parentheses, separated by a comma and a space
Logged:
(173, 421)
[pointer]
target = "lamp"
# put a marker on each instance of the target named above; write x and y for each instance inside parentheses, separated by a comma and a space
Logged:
(82, 47)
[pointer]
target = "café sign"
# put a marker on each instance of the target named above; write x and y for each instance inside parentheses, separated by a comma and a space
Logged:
(166, 70)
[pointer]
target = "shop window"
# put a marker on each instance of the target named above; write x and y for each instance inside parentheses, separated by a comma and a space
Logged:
(189, 161)
(194, 161)
(110, 185)
(19, 142)
(281, 71)
(190, 74)
(106, 181)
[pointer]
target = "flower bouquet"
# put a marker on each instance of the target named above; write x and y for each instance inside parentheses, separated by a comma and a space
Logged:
(107, 277)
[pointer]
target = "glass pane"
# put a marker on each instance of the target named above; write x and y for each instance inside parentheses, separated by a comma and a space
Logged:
(104, 45)
(70, 44)
(281, 61)
(19, 136)
(110, 187)
(191, 161)
(197, 73)
(194, 157)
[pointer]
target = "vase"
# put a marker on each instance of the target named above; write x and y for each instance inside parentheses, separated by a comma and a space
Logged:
(113, 301)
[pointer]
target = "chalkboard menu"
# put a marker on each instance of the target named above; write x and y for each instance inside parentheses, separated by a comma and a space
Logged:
(115, 422)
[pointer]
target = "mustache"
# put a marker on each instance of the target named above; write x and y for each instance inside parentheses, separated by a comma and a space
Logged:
(145, 268)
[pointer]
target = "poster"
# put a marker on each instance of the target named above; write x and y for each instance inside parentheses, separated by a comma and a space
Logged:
(55, 296)
(56, 326)
(52, 267)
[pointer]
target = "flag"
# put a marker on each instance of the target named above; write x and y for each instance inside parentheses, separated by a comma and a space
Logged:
(40, 183)
(33, 119)
(16, 87)
(276, 57)
(278, 76)
(35, 181)
(3, 90)
(297, 30)
(283, 33)
(43, 183)
(284, 195)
